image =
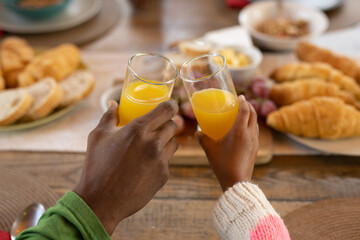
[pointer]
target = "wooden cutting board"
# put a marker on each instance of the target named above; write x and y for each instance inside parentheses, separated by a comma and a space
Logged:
(191, 153)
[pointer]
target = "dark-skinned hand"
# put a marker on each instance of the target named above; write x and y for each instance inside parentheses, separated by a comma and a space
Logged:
(125, 167)
(232, 158)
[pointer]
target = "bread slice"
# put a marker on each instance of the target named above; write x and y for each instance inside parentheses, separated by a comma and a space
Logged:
(47, 95)
(13, 105)
(194, 48)
(76, 87)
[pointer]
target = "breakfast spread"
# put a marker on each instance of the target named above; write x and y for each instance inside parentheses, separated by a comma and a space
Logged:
(318, 99)
(32, 87)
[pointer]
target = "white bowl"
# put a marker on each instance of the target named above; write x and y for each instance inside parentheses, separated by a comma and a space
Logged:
(113, 93)
(257, 12)
(244, 75)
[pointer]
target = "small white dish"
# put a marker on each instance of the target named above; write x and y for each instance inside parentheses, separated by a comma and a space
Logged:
(257, 12)
(244, 75)
(113, 93)
(76, 13)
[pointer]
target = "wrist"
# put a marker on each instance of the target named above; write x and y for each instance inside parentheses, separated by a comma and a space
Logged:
(99, 208)
(229, 181)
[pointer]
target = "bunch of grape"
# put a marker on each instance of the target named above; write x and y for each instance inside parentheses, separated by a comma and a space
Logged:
(257, 94)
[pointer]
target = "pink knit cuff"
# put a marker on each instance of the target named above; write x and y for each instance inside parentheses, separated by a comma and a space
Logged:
(243, 212)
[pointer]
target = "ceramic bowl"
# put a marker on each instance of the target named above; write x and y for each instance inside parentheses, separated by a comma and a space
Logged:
(36, 13)
(259, 11)
(244, 75)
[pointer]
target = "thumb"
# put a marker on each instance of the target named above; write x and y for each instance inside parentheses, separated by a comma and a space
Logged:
(110, 118)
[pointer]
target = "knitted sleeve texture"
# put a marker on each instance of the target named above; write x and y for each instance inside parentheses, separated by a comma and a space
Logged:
(243, 212)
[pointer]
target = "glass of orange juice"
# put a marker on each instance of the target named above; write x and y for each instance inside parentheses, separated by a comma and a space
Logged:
(149, 80)
(212, 93)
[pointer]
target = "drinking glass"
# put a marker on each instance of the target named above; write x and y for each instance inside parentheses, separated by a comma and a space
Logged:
(212, 93)
(149, 81)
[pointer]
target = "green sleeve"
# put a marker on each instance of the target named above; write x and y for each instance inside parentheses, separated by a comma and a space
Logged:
(69, 219)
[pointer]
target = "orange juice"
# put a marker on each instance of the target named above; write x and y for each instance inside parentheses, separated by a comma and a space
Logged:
(215, 111)
(140, 98)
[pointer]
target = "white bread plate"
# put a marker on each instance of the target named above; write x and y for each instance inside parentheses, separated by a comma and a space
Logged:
(260, 11)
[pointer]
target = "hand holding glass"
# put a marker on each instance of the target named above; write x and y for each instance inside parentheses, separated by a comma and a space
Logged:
(149, 81)
(212, 94)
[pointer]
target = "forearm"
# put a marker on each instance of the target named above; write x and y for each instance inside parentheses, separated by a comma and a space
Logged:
(243, 212)
(70, 218)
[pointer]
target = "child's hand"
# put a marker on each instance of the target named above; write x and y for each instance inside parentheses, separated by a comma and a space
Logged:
(232, 158)
(125, 167)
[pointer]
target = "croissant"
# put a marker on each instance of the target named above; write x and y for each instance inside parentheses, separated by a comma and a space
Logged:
(323, 71)
(311, 53)
(15, 54)
(302, 89)
(319, 117)
(57, 63)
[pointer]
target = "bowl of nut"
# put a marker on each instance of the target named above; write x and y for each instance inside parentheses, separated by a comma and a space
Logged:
(282, 28)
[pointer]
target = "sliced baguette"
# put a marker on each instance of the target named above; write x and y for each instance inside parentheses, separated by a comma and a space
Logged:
(76, 87)
(47, 95)
(13, 105)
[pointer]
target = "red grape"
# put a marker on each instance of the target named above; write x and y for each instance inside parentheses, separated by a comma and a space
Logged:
(259, 79)
(260, 89)
(267, 107)
(179, 120)
(256, 105)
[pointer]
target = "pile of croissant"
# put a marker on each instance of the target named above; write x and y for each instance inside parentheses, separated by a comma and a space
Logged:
(318, 97)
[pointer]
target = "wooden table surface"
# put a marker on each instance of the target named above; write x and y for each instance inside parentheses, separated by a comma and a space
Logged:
(182, 209)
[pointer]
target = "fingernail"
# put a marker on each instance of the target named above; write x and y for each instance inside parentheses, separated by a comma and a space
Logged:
(110, 103)
(242, 97)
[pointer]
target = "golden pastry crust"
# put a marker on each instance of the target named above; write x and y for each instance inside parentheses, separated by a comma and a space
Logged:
(57, 63)
(47, 95)
(302, 89)
(15, 54)
(13, 105)
(319, 117)
(293, 71)
(311, 53)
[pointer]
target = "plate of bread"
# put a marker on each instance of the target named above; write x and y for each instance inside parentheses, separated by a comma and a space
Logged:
(39, 86)
(318, 100)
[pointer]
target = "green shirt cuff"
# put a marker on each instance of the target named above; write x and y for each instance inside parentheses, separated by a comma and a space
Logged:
(84, 215)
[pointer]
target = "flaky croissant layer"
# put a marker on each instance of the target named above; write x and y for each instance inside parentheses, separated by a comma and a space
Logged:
(319, 117)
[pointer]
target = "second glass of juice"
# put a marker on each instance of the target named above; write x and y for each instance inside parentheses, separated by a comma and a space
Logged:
(149, 81)
(212, 94)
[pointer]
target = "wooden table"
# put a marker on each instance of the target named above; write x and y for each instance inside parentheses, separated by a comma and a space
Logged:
(182, 209)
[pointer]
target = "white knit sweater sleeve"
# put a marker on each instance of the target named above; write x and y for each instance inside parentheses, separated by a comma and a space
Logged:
(243, 212)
